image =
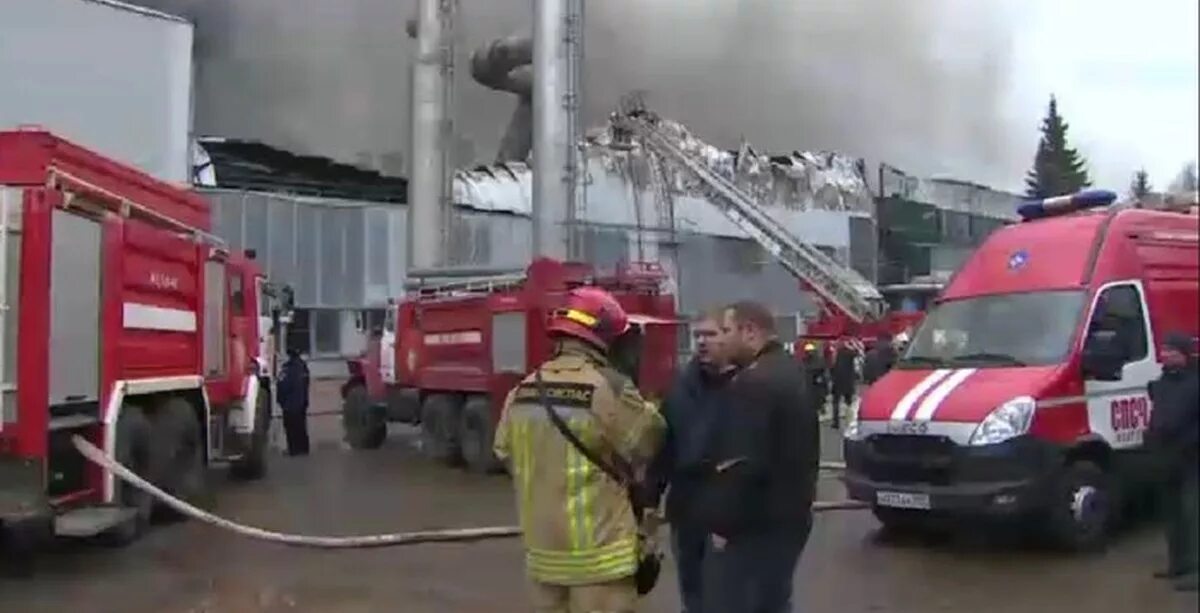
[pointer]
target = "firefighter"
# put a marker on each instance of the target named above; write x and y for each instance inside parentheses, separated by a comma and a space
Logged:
(817, 372)
(584, 549)
(292, 390)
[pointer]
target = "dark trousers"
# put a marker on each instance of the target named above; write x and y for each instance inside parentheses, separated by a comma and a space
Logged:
(295, 426)
(688, 544)
(842, 395)
(1180, 507)
(752, 573)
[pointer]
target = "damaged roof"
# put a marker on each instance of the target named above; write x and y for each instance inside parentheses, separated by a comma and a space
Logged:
(255, 166)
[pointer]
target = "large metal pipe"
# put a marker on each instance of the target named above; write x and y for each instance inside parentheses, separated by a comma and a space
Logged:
(504, 65)
(553, 191)
(427, 178)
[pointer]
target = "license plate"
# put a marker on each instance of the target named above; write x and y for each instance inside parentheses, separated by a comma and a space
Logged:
(902, 500)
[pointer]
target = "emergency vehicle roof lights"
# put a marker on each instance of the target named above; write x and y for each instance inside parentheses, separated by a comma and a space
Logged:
(1062, 205)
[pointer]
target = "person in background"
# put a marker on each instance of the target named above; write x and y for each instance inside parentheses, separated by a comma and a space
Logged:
(844, 379)
(756, 500)
(879, 359)
(817, 372)
(1174, 438)
(292, 390)
(691, 410)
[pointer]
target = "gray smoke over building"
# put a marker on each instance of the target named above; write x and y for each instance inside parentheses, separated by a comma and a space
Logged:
(918, 83)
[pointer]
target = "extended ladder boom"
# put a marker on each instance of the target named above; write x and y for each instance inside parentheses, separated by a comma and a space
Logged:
(839, 285)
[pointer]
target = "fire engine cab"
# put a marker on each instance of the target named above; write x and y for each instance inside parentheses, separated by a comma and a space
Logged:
(126, 323)
(1023, 393)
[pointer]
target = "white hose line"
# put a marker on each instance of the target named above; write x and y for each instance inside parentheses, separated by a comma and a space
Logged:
(95, 455)
(98, 457)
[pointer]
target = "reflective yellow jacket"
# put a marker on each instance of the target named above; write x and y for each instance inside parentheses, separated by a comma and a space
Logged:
(578, 526)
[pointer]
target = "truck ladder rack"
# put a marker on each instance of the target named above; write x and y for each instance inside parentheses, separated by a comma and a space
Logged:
(464, 287)
(129, 208)
(838, 285)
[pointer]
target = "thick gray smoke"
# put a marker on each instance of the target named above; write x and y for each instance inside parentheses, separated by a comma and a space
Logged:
(915, 83)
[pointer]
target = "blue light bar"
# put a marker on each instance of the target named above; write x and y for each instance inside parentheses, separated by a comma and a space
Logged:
(1061, 205)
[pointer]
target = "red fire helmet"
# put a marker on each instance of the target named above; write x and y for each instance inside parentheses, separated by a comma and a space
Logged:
(591, 314)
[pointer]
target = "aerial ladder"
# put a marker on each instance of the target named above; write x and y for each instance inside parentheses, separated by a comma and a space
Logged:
(838, 287)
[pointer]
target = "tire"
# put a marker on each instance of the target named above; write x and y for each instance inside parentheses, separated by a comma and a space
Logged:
(440, 416)
(1082, 508)
(134, 432)
(253, 464)
(477, 430)
(177, 454)
(363, 424)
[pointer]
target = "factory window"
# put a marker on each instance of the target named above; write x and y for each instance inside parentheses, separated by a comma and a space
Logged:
(742, 256)
(372, 321)
(298, 332)
(327, 332)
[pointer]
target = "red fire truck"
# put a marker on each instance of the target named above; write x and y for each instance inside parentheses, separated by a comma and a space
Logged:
(1023, 393)
(450, 352)
(124, 322)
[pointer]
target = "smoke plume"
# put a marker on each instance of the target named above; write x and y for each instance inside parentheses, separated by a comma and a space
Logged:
(917, 83)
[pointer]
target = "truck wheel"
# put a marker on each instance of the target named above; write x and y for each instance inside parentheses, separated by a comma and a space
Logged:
(177, 453)
(1081, 507)
(363, 424)
(439, 428)
(134, 433)
(253, 464)
(476, 433)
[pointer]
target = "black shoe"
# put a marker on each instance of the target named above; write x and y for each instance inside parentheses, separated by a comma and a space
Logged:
(1186, 583)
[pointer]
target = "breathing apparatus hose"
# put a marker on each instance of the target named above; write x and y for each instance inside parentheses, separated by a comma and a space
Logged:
(451, 535)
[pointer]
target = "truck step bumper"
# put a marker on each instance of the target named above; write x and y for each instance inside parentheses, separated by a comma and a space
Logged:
(90, 521)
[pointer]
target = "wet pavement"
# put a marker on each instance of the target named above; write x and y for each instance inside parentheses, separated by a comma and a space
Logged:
(847, 567)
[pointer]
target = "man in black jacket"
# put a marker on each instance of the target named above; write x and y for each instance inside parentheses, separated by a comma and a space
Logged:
(1174, 437)
(756, 501)
(879, 359)
(844, 379)
(691, 410)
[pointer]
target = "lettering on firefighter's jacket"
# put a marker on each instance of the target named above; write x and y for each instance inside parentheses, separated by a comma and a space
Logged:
(574, 395)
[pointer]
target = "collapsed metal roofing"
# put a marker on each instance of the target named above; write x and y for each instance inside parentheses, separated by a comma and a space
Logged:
(254, 166)
(809, 193)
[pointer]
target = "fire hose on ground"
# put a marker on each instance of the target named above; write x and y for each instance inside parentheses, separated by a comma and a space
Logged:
(450, 535)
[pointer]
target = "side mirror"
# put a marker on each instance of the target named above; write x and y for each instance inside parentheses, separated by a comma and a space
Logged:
(1103, 356)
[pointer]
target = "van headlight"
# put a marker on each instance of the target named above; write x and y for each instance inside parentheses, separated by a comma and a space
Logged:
(1009, 420)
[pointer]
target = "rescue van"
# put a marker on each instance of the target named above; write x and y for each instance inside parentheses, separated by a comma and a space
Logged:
(1023, 393)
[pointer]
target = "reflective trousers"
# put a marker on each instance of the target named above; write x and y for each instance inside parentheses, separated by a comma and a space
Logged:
(618, 596)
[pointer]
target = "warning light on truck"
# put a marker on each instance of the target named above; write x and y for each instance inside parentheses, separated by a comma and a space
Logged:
(1062, 205)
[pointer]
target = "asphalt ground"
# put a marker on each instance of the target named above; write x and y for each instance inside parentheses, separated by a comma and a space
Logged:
(848, 566)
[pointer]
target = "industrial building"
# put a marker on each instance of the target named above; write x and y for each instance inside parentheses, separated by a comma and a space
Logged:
(338, 234)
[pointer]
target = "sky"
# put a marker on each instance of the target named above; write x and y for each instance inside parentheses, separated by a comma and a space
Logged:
(947, 88)
(1125, 74)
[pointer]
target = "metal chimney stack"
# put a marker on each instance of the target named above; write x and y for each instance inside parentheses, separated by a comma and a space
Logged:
(555, 120)
(428, 181)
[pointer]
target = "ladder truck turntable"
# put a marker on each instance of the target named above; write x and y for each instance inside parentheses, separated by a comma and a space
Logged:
(126, 323)
(850, 304)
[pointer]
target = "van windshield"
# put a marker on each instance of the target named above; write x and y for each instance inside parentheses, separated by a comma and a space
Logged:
(1023, 329)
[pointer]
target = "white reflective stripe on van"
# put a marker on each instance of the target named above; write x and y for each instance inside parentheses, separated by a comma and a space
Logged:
(906, 403)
